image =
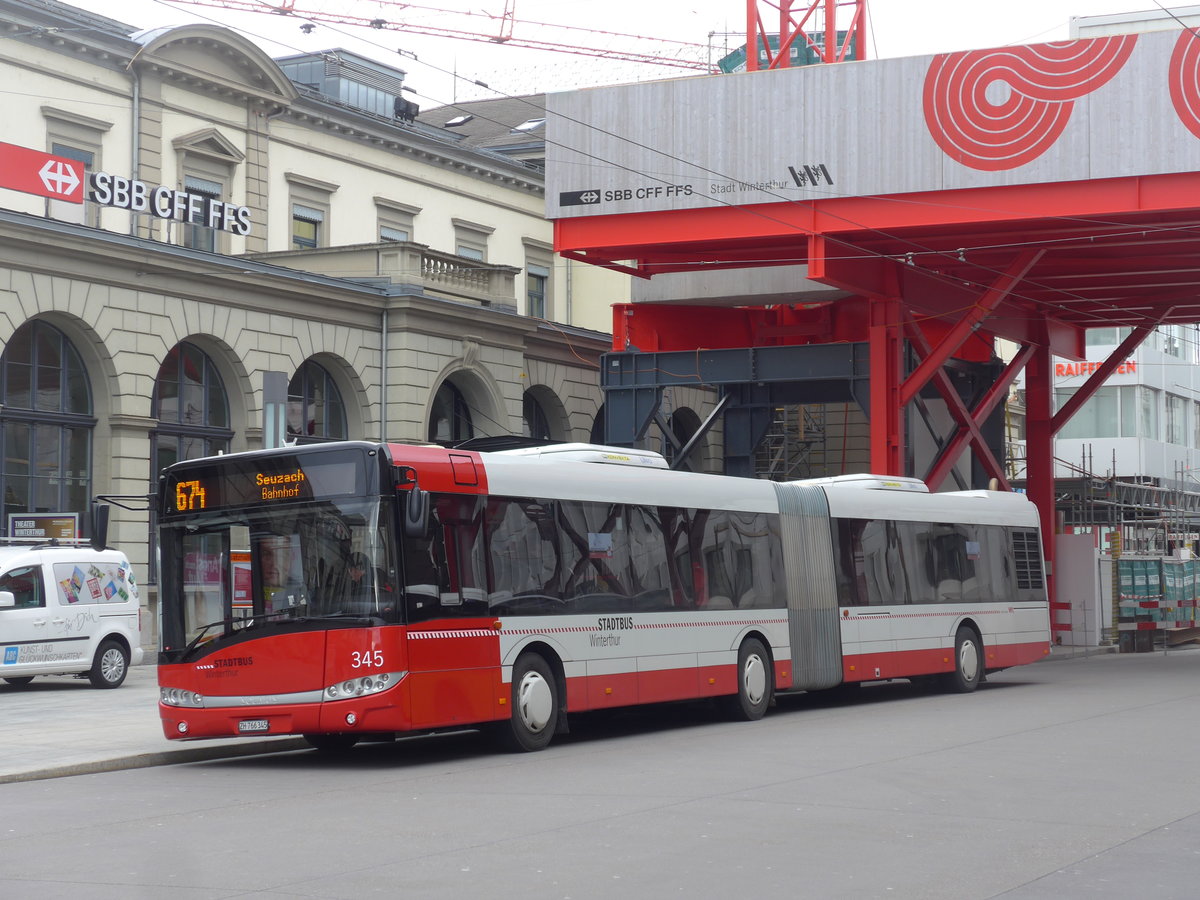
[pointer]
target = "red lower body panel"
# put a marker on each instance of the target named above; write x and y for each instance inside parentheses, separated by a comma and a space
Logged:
(906, 663)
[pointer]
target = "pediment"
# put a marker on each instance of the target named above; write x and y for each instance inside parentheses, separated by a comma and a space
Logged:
(210, 54)
(211, 143)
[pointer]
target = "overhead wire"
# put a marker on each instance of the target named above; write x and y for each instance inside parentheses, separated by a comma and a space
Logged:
(606, 163)
(918, 250)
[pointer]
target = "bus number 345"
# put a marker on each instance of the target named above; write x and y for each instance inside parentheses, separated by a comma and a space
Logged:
(369, 659)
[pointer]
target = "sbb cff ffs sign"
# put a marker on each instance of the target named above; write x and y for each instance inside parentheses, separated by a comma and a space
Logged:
(44, 174)
(167, 203)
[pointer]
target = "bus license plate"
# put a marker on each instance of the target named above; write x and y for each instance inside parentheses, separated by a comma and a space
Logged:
(253, 726)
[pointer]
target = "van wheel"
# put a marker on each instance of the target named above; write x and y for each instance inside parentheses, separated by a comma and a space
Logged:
(20, 682)
(110, 667)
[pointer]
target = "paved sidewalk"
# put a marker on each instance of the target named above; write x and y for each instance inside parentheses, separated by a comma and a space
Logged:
(60, 725)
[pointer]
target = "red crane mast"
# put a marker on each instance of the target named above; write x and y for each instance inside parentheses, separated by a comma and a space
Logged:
(813, 25)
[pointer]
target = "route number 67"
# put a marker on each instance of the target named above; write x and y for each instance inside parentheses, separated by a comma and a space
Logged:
(367, 659)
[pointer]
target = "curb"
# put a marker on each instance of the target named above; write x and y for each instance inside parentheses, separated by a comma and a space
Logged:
(161, 758)
(1063, 653)
(1112, 650)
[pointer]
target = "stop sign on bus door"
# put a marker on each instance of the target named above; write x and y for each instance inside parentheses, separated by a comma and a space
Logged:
(34, 172)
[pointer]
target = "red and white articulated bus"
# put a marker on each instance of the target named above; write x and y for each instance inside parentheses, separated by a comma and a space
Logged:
(355, 591)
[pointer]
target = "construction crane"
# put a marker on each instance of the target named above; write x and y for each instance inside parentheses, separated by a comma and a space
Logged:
(804, 30)
(812, 25)
(689, 56)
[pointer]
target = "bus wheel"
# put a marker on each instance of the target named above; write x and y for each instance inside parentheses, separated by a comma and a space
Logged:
(756, 683)
(968, 663)
(21, 681)
(331, 743)
(534, 701)
(110, 666)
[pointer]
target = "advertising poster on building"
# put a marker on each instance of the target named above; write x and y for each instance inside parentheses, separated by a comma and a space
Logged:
(44, 527)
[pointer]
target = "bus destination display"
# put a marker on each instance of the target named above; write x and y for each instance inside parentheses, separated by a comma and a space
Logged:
(254, 482)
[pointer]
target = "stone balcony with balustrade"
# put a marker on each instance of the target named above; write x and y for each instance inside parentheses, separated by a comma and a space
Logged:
(416, 266)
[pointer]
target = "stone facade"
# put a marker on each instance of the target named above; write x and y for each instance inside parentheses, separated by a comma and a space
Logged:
(199, 108)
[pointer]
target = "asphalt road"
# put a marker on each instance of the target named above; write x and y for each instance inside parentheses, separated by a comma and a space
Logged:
(1069, 778)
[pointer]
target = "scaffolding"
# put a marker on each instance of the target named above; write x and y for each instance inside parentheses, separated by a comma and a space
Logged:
(794, 446)
(1150, 514)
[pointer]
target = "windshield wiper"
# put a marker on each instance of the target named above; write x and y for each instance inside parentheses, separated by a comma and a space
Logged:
(203, 631)
(254, 621)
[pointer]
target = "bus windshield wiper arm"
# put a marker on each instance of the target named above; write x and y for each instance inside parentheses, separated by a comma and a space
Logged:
(203, 631)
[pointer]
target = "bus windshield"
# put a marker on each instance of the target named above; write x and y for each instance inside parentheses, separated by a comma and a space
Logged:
(277, 566)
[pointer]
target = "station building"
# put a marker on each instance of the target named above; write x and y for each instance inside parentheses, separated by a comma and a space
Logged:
(258, 229)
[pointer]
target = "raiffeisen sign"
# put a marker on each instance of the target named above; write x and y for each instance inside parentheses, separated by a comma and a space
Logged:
(1074, 369)
(168, 203)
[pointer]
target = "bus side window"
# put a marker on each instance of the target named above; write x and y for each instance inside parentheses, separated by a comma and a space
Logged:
(655, 545)
(594, 543)
(522, 556)
(719, 564)
(948, 554)
(851, 569)
(995, 548)
(445, 573)
(422, 580)
(755, 559)
(883, 564)
(739, 554)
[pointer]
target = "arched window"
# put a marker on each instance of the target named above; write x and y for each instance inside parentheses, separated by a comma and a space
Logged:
(533, 418)
(191, 407)
(193, 417)
(684, 424)
(46, 423)
(450, 419)
(597, 435)
(315, 409)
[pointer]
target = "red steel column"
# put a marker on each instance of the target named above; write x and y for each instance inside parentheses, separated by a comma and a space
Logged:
(1039, 459)
(886, 338)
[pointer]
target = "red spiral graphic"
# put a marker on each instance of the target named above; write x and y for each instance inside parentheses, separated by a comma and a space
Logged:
(1032, 92)
(1184, 80)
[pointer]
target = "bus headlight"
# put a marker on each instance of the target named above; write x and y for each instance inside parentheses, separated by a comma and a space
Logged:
(361, 687)
(180, 697)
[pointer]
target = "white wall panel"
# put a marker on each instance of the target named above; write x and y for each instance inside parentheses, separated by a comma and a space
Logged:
(863, 120)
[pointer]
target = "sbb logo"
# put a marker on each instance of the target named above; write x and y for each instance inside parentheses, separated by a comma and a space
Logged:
(644, 193)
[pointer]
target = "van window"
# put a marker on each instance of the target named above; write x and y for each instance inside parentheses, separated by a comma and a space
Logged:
(93, 582)
(26, 586)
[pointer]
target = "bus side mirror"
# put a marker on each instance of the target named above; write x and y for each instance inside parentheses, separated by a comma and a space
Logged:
(99, 529)
(7, 599)
(416, 513)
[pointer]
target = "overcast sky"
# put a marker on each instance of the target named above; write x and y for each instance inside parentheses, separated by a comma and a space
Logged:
(446, 69)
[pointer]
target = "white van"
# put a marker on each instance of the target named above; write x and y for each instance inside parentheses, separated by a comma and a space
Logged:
(67, 609)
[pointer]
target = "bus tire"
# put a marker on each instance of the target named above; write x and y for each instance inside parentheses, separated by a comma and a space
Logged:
(755, 681)
(968, 662)
(331, 743)
(20, 681)
(110, 666)
(534, 706)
